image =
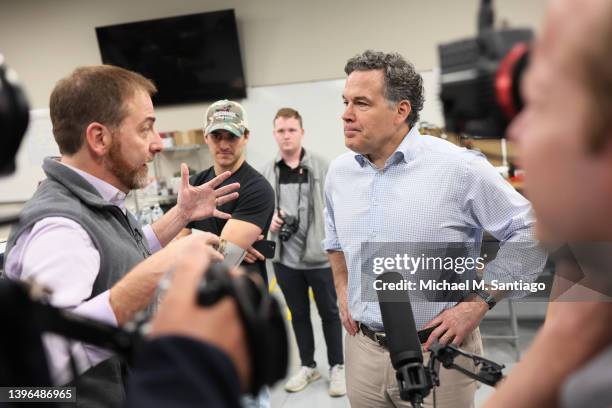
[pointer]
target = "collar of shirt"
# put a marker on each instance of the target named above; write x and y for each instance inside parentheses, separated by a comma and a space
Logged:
(279, 159)
(106, 190)
(406, 151)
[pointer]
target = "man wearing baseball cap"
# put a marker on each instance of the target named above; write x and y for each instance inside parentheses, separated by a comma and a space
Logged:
(226, 134)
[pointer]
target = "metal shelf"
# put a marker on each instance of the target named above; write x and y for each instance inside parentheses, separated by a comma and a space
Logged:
(182, 148)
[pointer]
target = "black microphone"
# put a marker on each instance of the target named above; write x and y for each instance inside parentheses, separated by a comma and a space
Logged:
(402, 339)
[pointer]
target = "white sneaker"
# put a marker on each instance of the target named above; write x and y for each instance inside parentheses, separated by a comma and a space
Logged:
(337, 381)
(302, 378)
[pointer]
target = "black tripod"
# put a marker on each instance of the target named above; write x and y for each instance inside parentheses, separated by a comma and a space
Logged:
(416, 381)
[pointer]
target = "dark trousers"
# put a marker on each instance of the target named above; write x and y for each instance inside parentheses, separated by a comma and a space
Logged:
(294, 283)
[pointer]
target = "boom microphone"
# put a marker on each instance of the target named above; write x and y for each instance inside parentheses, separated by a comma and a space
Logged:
(403, 340)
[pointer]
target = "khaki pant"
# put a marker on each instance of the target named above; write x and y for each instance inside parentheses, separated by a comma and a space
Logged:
(370, 377)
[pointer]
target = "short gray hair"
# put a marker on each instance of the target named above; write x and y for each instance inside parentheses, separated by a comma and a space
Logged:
(401, 79)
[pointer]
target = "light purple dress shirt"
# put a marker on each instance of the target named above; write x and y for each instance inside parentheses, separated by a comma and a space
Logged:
(59, 254)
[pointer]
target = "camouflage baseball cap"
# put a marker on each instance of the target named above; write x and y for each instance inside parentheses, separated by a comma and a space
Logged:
(226, 115)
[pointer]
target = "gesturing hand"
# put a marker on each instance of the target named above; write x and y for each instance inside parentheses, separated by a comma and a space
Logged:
(198, 202)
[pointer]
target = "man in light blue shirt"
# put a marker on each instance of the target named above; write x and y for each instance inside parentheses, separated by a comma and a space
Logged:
(397, 186)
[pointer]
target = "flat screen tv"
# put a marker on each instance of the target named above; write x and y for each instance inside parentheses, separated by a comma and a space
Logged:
(192, 58)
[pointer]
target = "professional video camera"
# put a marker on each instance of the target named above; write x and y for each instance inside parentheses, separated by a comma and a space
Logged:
(25, 312)
(261, 315)
(480, 78)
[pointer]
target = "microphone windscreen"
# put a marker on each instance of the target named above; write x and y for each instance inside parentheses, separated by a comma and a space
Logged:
(400, 328)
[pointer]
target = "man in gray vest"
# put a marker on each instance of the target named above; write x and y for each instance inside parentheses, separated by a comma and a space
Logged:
(75, 235)
(298, 228)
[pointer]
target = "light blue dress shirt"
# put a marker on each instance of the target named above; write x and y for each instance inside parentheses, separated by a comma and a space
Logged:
(428, 191)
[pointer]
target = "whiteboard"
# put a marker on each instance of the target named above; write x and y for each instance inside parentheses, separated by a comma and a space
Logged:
(37, 144)
(320, 105)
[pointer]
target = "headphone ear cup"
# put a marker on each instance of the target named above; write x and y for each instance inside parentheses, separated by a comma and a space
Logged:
(14, 117)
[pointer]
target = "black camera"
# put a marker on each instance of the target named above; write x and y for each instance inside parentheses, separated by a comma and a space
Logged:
(480, 78)
(289, 227)
(262, 320)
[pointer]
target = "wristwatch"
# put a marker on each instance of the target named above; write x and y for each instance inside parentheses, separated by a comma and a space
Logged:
(487, 297)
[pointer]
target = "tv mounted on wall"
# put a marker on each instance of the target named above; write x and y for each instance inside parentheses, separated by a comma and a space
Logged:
(192, 58)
